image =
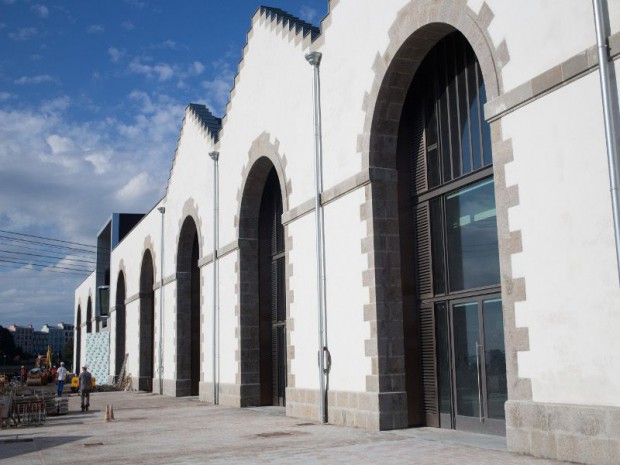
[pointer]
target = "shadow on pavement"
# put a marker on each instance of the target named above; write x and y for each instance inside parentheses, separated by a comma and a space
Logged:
(25, 444)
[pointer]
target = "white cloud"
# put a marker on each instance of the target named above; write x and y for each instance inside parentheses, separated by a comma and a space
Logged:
(5, 96)
(161, 71)
(218, 88)
(135, 3)
(60, 144)
(52, 183)
(197, 68)
(115, 54)
(25, 33)
(40, 79)
(128, 25)
(56, 105)
(100, 161)
(95, 29)
(169, 44)
(307, 13)
(41, 10)
(136, 187)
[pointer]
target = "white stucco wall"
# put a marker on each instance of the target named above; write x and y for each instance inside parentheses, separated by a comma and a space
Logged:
(346, 296)
(127, 256)
(568, 258)
(85, 290)
(559, 165)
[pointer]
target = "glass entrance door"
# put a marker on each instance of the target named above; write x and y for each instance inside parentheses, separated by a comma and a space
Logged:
(471, 365)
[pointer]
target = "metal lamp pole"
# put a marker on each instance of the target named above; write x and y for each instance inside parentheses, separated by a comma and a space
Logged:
(314, 58)
(215, 157)
(160, 368)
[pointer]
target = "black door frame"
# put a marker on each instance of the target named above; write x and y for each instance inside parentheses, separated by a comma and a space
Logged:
(481, 423)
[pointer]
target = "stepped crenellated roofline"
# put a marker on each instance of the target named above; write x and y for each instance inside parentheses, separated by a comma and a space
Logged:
(297, 25)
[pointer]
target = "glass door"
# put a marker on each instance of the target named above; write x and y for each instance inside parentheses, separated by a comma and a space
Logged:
(471, 366)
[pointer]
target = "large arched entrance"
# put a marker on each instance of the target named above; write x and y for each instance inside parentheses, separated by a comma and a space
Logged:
(89, 315)
(262, 258)
(188, 311)
(147, 323)
(272, 303)
(120, 323)
(78, 340)
(452, 308)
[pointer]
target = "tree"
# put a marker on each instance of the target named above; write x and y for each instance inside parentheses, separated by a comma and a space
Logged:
(67, 351)
(7, 344)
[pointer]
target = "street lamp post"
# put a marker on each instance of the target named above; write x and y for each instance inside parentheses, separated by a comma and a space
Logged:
(324, 359)
(215, 157)
(160, 367)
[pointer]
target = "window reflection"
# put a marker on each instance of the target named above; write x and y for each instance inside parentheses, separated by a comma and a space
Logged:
(473, 257)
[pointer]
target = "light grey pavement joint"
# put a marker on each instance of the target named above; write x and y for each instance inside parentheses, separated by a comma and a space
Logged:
(152, 429)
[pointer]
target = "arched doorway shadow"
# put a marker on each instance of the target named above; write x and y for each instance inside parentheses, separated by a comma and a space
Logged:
(188, 311)
(78, 340)
(89, 315)
(119, 357)
(263, 344)
(147, 323)
(449, 287)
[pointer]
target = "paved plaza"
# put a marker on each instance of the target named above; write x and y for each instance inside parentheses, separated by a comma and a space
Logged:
(152, 429)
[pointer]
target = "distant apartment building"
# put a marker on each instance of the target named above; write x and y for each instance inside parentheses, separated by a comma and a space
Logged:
(39, 342)
(23, 337)
(58, 335)
(36, 342)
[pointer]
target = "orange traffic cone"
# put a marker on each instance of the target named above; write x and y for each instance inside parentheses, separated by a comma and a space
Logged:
(111, 412)
(106, 416)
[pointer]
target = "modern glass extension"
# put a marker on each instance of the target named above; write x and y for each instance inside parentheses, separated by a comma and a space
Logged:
(446, 185)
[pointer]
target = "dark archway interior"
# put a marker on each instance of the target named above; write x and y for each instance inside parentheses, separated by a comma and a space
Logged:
(147, 323)
(78, 338)
(188, 311)
(120, 323)
(448, 244)
(272, 296)
(89, 316)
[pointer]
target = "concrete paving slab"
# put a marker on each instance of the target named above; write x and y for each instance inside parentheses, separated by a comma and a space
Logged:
(152, 429)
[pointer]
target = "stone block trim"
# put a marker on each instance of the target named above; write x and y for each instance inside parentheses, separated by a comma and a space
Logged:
(576, 433)
(303, 403)
(369, 410)
(575, 67)
(513, 289)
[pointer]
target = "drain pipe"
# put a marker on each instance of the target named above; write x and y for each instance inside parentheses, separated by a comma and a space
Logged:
(324, 358)
(160, 367)
(610, 122)
(215, 157)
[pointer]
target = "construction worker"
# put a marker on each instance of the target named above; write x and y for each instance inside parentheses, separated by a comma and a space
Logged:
(85, 385)
(61, 375)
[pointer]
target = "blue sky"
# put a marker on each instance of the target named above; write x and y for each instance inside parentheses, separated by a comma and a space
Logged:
(91, 102)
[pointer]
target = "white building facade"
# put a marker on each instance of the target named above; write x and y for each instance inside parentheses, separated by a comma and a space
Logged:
(470, 269)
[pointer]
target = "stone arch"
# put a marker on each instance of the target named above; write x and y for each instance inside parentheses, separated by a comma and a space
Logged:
(120, 322)
(264, 164)
(418, 27)
(188, 326)
(147, 322)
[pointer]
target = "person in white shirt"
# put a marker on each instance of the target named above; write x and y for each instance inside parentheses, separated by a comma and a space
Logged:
(61, 375)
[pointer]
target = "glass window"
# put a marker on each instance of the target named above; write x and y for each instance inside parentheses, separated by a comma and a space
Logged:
(471, 232)
(443, 361)
(495, 357)
(466, 341)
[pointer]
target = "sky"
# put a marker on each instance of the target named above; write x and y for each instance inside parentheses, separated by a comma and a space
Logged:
(92, 95)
